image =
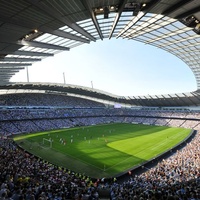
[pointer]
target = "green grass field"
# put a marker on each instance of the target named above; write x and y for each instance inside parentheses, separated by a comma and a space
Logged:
(103, 150)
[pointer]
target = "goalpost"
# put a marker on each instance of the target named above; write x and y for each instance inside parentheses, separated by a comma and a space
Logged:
(47, 142)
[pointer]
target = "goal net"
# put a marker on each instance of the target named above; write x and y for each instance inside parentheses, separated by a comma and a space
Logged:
(47, 142)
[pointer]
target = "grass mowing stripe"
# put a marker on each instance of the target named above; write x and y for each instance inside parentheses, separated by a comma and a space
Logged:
(167, 140)
(104, 150)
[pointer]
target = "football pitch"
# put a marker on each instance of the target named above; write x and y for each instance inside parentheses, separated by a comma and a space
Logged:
(102, 150)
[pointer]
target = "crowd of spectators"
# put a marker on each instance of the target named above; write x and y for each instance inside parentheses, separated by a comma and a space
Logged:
(23, 176)
(14, 121)
(57, 112)
(44, 99)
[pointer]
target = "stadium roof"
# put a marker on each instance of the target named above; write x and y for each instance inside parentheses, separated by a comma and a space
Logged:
(170, 100)
(31, 30)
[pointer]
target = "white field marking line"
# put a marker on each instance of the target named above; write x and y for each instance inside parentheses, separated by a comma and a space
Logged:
(171, 138)
(96, 166)
(104, 169)
(139, 152)
(123, 160)
(44, 147)
(76, 158)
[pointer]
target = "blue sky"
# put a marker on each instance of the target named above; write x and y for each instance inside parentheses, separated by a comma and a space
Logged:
(121, 67)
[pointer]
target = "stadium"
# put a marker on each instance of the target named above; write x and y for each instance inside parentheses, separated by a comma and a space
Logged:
(62, 141)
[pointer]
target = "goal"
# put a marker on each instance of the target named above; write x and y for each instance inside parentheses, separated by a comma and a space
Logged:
(47, 142)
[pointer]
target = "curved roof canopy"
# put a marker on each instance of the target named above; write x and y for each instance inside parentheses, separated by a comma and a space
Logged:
(31, 30)
(169, 100)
